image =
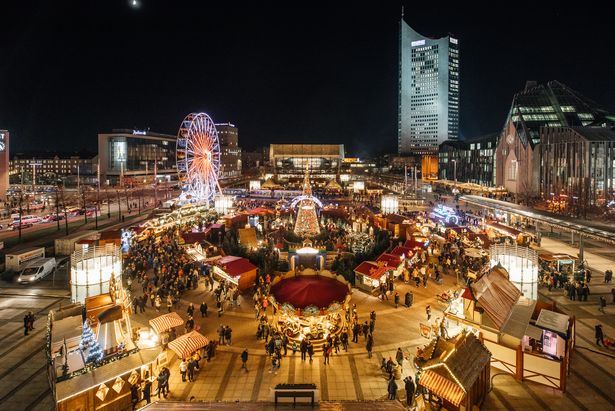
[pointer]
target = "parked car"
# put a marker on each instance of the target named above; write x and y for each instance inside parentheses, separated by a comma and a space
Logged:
(15, 225)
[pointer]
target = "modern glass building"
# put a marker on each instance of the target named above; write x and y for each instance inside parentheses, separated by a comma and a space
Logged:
(536, 107)
(134, 155)
(292, 160)
(230, 152)
(578, 166)
(428, 109)
(468, 161)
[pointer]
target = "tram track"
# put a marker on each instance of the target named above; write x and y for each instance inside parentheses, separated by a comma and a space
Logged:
(38, 399)
(20, 329)
(22, 384)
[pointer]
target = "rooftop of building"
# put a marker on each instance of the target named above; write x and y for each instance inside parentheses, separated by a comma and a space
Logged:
(553, 104)
(136, 132)
(52, 155)
(307, 150)
(595, 133)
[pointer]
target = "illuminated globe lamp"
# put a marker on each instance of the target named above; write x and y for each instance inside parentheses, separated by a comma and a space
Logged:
(95, 270)
(389, 204)
(255, 185)
(223, 204)
(358, 186)
(521, 264)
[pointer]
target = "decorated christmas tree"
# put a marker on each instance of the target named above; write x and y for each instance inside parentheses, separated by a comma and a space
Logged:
(87, 336)
(88, 342)
(306, 224)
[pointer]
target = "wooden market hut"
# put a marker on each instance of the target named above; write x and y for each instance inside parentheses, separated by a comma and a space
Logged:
(369, 275)
(509, 327)
(455, 372)
(238, 270)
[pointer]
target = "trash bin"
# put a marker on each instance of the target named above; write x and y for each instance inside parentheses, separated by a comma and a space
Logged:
(408, 299)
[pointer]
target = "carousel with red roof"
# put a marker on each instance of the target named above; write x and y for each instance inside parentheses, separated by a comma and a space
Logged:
(310, 305)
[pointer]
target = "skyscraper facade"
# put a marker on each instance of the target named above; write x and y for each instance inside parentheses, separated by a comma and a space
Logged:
(428, 111)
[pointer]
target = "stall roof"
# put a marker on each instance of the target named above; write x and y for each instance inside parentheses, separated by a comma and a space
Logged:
(78, 384)
(496, 295)
(235, 266)
(400, 250)
(553, 321)
(591, 229)
(456, 363)
(389, 259)
(371, 269)
(519, 319)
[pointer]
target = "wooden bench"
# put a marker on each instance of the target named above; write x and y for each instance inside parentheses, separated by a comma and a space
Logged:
(294, 395)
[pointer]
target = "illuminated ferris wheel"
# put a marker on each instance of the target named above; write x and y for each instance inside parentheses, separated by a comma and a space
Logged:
(198, 157)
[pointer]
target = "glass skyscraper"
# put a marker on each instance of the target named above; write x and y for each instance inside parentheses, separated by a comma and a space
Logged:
(428, 91)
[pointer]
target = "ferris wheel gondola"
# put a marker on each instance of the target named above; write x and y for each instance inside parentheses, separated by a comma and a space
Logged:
(198, 157)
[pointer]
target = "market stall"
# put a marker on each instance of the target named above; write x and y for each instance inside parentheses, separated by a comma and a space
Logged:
(454, 374)
(369, 275)
(188, 344)
(237, 270)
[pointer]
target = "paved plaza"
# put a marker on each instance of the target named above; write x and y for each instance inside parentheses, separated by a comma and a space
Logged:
(351, 376)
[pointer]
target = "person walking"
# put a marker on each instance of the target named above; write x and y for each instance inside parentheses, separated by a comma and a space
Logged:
(191, 367)
(344, 339)
(228, 333)
(428, 312)
(392, 389)
(602, 303)
(399, 357)
(310, 350)
(221, 334)
(134, 395)
(369, 345)
(244, 359)
(326, 352)
(613, 294)
(599, 335)
(303, 350)
(396, 299)
(147, 391)
(30, 321)
(191, 310)
(355, 332)
(183, 368)
(365, 330)
(203, 309)
(26, 324)
(409, 386)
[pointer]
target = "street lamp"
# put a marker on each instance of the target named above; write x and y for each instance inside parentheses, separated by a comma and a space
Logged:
(455, 170)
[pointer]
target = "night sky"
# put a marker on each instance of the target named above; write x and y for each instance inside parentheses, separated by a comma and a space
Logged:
(287, 72)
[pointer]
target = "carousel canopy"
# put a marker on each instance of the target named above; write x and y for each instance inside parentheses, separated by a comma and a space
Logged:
(187, 344)
(166, 322)
(315, 290)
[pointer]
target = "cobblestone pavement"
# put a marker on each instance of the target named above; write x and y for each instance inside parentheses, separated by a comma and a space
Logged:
(350, 376)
